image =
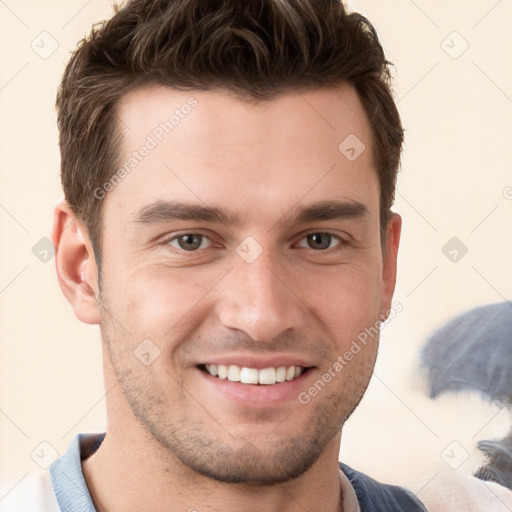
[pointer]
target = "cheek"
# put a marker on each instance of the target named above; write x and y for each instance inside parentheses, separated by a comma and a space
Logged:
(162, 299)
(348, 300)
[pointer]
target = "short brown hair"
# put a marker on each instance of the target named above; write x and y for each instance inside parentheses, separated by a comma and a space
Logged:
(257, 49)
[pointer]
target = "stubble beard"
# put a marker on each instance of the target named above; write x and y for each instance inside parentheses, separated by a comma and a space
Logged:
(192, 442)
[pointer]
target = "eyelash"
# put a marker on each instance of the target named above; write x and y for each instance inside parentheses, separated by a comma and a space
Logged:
(167, 242)
(190, 233)
(332, 235)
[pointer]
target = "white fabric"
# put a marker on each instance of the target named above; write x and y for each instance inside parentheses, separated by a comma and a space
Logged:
(33, 494)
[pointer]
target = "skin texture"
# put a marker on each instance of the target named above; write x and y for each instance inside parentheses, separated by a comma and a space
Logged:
(178, 438)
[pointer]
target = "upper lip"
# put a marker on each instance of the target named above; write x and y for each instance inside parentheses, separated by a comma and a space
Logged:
(258, 362)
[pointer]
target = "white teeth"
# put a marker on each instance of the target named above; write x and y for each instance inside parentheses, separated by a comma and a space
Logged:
(265, 376)
(281, 374)
(249, 376)
(234, 373)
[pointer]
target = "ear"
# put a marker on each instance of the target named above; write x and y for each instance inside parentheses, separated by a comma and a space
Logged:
(76, 265)
(392, 242)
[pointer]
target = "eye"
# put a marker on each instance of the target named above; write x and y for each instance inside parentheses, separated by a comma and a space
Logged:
(190, 242)
(320, 241)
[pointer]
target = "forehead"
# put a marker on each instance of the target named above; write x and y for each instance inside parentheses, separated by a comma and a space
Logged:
(214, 148)
(218, 116)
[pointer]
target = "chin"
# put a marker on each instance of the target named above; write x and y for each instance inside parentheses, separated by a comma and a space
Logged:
(251, 466)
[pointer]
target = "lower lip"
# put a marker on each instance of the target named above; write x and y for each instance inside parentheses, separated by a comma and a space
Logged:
(256, 395)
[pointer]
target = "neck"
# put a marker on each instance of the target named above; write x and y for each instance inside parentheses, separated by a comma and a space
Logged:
(131, 472)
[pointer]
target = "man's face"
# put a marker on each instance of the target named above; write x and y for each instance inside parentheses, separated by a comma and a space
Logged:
(243, 240)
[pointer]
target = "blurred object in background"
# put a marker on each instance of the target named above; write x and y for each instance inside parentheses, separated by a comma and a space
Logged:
(474, 352)
(498, 467)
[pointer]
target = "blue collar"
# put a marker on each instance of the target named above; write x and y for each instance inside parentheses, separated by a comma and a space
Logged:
(67, 476)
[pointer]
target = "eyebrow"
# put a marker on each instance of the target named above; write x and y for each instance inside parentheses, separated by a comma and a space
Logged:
(326, 210)
(165, 211)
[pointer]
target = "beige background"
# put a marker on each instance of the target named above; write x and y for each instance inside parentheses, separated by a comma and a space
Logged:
(455, 181)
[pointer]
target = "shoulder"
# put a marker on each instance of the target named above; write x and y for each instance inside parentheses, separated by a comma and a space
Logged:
(376, 497)
(34, 493)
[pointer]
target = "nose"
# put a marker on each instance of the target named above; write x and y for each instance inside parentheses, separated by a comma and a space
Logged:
(258, 299)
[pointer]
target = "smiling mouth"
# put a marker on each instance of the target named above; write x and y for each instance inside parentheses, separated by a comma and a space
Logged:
(245, 375)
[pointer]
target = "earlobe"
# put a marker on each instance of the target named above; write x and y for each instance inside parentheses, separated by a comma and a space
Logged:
(393, 231)
(76, 265)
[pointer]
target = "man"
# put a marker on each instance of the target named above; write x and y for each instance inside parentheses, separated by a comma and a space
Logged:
(229, 169)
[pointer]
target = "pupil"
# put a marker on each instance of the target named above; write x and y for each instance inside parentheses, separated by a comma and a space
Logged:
(319, 240)
(189, 242)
